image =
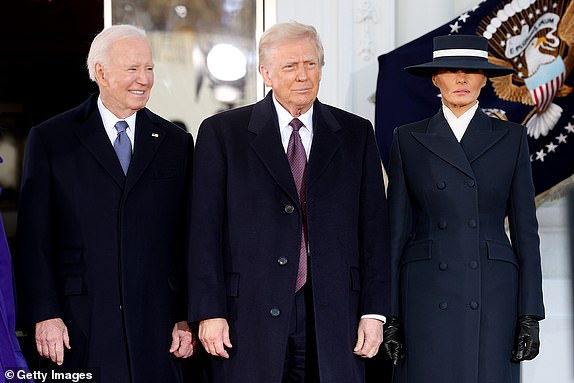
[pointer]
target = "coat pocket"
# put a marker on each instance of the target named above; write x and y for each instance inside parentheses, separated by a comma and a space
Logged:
(417, 251)
(500, 251)
(232, 284)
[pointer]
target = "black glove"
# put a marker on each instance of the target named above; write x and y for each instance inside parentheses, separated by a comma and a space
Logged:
(527, 341)
(392, 340)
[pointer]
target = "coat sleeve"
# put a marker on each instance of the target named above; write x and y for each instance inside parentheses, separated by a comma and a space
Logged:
(400, 216)
(206, 285)
(524, 234)
(35, 279)
(373, 233)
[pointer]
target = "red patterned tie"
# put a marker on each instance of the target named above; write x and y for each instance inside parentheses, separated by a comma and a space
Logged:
(298, 161)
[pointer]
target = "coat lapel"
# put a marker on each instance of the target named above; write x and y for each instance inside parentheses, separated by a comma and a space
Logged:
(325, 142)
(92, 135)
(440, 140)
(149, 136)
(268, 147)
(480, 136)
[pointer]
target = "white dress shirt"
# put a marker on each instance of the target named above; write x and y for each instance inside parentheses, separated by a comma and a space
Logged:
(109, 120)
(306, 131)
(458, 125)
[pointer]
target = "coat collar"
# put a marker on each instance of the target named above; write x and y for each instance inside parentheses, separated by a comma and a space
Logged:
(325, 144)
(478, 138)
(267, 143)
(91, 133)
(149, 135)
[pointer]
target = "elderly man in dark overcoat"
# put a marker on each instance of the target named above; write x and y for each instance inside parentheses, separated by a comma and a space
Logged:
(467, 298)
(101, 226)
(289, 233)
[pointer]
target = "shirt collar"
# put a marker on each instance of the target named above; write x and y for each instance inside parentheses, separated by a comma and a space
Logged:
(284, 117)
(464, 119)
(109, 120)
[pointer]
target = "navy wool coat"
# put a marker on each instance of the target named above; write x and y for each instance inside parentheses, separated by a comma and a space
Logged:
(246, 231)
(459, 284)
(105, 251)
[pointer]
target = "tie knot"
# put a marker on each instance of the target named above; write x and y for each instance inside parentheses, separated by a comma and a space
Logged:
(296, 124)
(121, 126)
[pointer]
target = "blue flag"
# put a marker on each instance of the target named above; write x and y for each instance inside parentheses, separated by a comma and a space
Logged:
(536, 38)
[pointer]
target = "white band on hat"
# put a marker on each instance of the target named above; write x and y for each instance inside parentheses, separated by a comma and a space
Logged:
(460, 52)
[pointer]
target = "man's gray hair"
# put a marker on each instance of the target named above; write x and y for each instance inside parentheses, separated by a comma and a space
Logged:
(286, 32)
(101, 44)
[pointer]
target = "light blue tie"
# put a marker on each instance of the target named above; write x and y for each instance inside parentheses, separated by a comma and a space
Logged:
(123, 145)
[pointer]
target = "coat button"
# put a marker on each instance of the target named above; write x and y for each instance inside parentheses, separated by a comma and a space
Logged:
(472, 223)
(470, 183)
(289, 209)
(441, 185)
(473, 305)
(442, 225)
(443, 266)
(275, 312)
(282, 261)
(443, 306)
(473, 265)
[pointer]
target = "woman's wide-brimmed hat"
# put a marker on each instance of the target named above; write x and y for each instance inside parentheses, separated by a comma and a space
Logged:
(459, 52)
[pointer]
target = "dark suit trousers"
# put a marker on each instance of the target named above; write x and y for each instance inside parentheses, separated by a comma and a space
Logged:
(301, 356)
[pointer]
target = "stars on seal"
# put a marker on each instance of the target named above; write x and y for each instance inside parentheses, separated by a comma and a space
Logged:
(540, 155)
(454, 28)
(554, 144)
(463, 17)
(551, 147)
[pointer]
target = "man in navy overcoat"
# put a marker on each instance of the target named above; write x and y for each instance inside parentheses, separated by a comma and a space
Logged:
(247, 225)
(101, 248)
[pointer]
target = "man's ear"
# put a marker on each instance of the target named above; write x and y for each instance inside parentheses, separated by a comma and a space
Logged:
(265, 74)
(100, 73)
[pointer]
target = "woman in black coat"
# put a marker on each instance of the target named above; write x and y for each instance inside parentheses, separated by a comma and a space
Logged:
(466, 298)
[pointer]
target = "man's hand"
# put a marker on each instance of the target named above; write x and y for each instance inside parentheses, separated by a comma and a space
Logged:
(183, 341)
(214, 336)
(51, 337)
(369, 337)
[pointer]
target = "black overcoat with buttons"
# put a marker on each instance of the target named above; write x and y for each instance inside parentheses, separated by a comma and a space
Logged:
(459, 283)
(246, 231)
(105, 251)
